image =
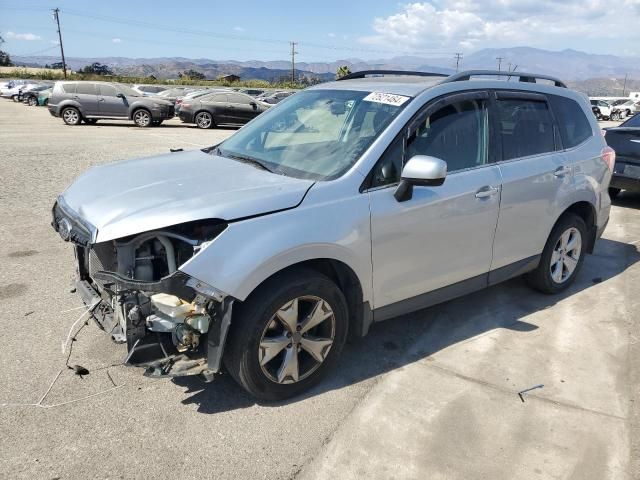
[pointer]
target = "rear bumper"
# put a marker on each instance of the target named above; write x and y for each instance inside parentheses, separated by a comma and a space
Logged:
(626, 175)
(625, 183)
(186, 117)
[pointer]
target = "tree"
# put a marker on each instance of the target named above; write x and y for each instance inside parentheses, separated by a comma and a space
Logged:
(192, 74)
(342, 71)
(5, 59)
(96, 69)
(56, 66)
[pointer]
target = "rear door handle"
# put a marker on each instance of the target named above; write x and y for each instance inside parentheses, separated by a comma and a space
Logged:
(487, 191)
(562, 171)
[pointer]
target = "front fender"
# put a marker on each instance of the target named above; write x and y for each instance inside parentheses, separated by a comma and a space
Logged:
(250, 251)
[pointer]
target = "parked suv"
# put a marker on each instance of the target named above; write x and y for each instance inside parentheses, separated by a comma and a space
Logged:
(350, 203)
(605, 111)
(90, 101)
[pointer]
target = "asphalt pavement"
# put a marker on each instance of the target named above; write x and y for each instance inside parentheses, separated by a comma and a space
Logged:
(427, 395)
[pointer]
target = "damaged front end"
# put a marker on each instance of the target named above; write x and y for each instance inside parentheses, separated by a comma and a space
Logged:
(172, 323)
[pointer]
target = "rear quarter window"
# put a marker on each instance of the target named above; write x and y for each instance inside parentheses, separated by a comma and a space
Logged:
(69, 87)
(572, 122)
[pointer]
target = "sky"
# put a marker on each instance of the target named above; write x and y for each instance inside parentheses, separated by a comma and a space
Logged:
(324, 30)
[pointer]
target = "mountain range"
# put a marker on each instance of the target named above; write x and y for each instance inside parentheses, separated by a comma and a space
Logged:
(566, 64)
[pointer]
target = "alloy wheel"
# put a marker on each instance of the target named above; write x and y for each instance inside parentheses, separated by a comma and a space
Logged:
(566, 255)
(142, 118)
(204, 120)
(71, 116)
(297, 339)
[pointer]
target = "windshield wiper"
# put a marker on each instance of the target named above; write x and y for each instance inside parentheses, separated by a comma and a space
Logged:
(244, 159)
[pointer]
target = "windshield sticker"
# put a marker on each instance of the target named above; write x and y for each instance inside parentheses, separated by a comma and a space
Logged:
(386, 98)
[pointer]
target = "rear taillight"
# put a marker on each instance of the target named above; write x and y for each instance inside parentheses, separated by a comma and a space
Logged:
(609, 157)
(179, 100)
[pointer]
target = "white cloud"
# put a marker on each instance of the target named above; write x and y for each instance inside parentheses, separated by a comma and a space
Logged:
(470, 24)
(23, 36)
(238, 29)
(331, 35)
(116, 40)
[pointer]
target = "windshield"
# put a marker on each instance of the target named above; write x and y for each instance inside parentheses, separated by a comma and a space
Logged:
(128, 92)
(316, 134)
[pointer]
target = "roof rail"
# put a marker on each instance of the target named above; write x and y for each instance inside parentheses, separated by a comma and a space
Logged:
(523, 77)
(364, 73)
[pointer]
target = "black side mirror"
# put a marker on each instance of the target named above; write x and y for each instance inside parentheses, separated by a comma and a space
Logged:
(120, 95)
(254, 105)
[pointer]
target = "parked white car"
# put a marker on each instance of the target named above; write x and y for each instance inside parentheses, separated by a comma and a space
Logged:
(605, 111)
(15, 92)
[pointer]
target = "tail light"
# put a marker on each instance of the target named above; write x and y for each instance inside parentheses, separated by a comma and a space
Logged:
(608, 155)
(179, 100)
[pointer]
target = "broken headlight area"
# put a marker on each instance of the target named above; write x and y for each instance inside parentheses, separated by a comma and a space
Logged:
(171, 323)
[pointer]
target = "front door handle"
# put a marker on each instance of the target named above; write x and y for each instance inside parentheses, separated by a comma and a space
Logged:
(562, 171)
(487, 191)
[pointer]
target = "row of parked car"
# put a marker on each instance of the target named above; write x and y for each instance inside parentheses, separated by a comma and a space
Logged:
(146, 105)
(615, 110)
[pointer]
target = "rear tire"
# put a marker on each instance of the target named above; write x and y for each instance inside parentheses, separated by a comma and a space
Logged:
(71, 116)
(562, 256)
(142, 118)
(204, 120)
(269, 347)
(15, 98)
(33, 101)
(613, 192)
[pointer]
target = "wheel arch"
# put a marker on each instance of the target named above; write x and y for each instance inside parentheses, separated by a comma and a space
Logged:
(135, 108)
(587, 211)
(346, 279)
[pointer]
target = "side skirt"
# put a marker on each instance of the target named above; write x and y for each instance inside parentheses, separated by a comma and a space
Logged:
(456, 290)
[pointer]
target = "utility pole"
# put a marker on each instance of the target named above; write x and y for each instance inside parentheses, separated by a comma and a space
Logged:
(56, 11)
(624, 87)
(499, 63)
(293, 61)
(458, 58)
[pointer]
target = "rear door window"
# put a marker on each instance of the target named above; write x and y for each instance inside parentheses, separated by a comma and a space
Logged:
(573, 125)
(241, 99)
(86, 89)
(525, 127)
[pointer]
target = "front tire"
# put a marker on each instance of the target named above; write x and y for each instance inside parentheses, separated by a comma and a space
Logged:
(287, 335)
(71, 116)
(562, 257)
(33, 101)
(142, 118)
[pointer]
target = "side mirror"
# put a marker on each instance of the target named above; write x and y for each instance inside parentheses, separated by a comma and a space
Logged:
(423, 171)
(254, 105)
(120, 95)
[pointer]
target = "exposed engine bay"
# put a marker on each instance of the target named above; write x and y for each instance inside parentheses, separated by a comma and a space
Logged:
(171, 323)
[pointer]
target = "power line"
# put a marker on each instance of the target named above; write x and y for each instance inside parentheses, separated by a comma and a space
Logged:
(458, 58)
(56, 11)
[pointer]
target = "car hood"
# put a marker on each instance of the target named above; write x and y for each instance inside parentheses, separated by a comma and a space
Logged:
(136, 196)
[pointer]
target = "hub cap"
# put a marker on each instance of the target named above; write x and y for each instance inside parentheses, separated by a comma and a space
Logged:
(566, 255)
(297, 340)
(203, 120)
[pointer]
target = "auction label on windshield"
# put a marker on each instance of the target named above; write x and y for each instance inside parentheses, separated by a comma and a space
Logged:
(387, 98)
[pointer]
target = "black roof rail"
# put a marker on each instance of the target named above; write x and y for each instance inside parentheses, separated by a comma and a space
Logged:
(522, 77)
(364, 73)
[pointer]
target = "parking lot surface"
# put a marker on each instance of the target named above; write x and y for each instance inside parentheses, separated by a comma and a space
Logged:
(428, 395)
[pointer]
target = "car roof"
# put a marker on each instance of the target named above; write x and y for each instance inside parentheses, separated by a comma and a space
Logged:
(410, 86)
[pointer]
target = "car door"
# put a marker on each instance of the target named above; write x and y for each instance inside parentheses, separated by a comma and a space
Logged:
(242, 108)
(217, 105)
(87, 95)
(443, 235)
(625, 140)
(534, 175)
(109, 104)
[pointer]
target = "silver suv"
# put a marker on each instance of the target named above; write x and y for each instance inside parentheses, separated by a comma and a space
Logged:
(90, 101)
(346, 204)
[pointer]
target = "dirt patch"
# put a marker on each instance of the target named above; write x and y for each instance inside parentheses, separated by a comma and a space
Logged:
(22, 253)
(12, 290)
